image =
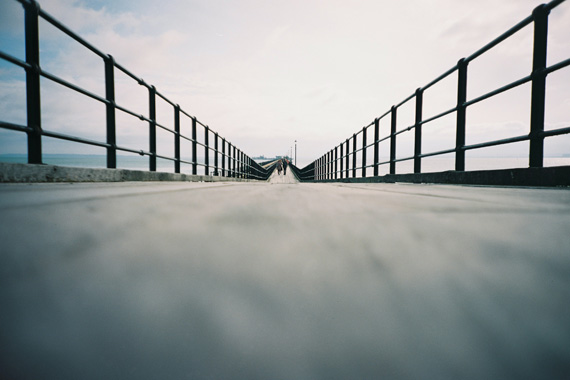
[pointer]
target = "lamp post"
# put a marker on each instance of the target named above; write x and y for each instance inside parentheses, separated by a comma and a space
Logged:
(295, 152)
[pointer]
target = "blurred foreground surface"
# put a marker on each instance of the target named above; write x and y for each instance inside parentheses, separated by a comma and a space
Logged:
(283, 281)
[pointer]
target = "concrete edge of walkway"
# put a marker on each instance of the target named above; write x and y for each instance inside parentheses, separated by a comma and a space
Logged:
(23, 173)
(557, 176)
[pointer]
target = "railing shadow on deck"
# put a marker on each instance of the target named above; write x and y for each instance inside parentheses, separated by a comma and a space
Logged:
(229, 161)
(340, 163)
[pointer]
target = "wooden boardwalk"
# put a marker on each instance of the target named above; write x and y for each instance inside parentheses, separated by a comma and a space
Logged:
(277, 280)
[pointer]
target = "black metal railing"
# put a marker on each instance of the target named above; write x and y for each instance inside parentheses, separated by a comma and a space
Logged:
(341, 161)
(229, 161)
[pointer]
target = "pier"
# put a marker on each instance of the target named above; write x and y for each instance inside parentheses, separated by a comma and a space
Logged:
(225, 269)
(279, 279)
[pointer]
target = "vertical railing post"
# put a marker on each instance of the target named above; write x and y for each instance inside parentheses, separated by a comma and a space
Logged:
(229, 153)
(33, 103)
(194, 148)
(538, 91)
(152, 127)
(418, 132)
(364, 152)
(354, 155)
(341, 157)
(240, 163)
(206, 150)
(336, 162)
(223, 157)
(317, 169)
(376, 146)
(110, 110)
(393, 124)
(177, 139)
(347, 158)
(234, 162)
(330, 164)
(461, 111)
(216, 154)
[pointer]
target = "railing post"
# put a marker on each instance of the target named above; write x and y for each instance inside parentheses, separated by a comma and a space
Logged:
(330, 165)
(206, 150)
(33, 103)
(393, 117)
(354, 155)
(364, 152)
(216, 153)
(461, 110)
(240, 163)
(341, 157)
(536, 154)
(418, 132)
(152, 127)
(241, 159)
(376, 146)
(223, 157)
(177, 139)
(194, 148)
(347, 158)
(110, 109)
(234, 160)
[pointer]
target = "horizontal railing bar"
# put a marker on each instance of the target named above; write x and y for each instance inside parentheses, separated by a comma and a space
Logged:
(404, 101)
(187, 114)
(407, 129)
(63, 136)
(500, 39)
(165, 128)
(499, 90)
(553, 4)
(556, 132)
(125, 110)
(46, 16)
(440, 78)
(15, 60)
(165, 157)
(558, 66)
(404, 159)
(444, 113)
(15, 127)
(384, 115)
(497, 142)
(438, 153)
(128, 73)
(165, 99)
(186, 138)
(72, 86)
(139, 152)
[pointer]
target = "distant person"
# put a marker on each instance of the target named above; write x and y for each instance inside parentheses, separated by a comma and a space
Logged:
(285, 166)
(279, 167)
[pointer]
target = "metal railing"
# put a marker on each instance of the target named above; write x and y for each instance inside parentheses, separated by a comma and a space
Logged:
(341, 161)
(229, 161)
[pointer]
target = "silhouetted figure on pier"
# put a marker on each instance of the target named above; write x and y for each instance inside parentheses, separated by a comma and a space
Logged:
(279, 167)
(285, 167)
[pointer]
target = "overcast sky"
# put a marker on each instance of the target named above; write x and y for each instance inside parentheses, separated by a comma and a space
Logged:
(266, 73)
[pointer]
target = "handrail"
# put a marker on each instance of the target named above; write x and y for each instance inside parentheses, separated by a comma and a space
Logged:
(326, 167)
(231, 162)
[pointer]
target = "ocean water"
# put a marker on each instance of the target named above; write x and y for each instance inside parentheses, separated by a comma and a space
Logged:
(142, 163)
